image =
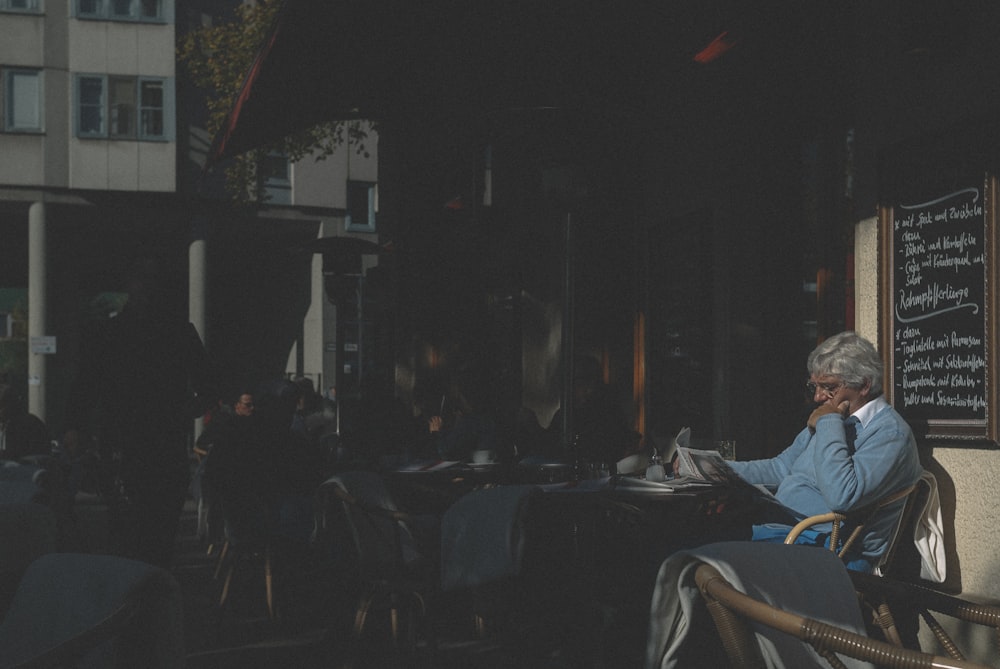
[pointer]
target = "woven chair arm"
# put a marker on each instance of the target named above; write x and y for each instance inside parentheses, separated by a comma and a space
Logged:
(918, 595)
(859, 517)
(821, 636)
(393, 514)
(806, 523)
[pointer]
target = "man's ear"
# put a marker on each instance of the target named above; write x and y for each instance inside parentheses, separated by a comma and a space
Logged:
(866, 388)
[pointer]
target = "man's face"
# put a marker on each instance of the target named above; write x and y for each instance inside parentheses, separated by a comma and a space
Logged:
(244, 405)
(831, 389)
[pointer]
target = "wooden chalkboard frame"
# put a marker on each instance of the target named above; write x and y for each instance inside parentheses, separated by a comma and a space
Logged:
(972, 432)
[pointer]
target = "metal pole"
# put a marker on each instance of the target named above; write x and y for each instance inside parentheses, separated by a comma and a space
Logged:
(568, 334)
(361, 329)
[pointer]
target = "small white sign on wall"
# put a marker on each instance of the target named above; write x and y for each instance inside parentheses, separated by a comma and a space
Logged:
(45, 345)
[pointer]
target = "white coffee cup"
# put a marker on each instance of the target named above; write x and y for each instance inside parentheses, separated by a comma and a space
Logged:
(482, 457)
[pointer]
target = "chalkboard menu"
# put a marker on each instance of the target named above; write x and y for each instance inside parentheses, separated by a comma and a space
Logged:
(939, 331)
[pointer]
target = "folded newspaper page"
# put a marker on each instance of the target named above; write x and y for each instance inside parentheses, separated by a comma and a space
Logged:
(683, 439)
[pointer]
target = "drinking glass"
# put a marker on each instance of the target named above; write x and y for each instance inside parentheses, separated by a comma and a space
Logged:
(727, 449)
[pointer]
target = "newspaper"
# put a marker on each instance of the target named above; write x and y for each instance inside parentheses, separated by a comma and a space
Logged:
(707, 466)
(695, 466)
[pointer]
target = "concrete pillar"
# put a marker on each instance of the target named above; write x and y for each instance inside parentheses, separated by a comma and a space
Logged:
(37, 306)
(197, 302)
(866, 262)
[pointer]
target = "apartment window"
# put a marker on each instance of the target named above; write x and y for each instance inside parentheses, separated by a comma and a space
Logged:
(361, 206)
(276, 172)
(19, 6)
(90, 95)
(151, 107)
(22, 109)
(150, 9)
(119, 10)
(122, 107)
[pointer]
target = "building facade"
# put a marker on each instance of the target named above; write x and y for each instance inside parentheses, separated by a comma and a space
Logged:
(101, 158)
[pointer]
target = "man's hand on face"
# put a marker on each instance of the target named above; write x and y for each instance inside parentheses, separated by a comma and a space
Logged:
(826, 409)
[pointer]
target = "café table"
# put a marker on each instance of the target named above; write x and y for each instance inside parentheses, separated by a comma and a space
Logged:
(669, 514)
(593, 545)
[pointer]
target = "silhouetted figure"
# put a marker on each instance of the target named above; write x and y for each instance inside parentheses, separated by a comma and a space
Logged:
(386, 431)
(141, 383)
(224, 426)
(312, 417)
(218, 420)
(467, 424)
(296, 464)
(238, 477)
(21, 433)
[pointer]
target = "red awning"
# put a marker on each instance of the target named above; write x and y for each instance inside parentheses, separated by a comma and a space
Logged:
(223, 142)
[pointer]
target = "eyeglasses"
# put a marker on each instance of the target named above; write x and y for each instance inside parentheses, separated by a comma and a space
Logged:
(829, 389)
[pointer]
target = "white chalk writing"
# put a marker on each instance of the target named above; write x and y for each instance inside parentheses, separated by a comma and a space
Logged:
(939, 260)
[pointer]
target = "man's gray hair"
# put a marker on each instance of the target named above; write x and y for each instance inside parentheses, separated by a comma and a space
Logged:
(851, 357)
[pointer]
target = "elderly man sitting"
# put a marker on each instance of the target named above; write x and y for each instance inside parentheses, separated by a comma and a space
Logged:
(855, 450)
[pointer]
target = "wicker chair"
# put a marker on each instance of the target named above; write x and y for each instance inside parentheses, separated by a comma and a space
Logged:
(374, 549)
(735, 614)
(883, 594)
(856, 521)
(247, 548)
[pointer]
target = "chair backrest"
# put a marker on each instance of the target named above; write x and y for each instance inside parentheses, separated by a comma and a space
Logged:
(27, 531)
(483, 536)
(22, 483)
(247, 520)
(12, 470)
(905, 559)
(857, 521)
(356, 510)
(94, 611)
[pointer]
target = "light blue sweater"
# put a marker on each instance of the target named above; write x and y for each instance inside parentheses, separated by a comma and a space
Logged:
(819, 473)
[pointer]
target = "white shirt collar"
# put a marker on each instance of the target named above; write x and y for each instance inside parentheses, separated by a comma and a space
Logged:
(869, 409)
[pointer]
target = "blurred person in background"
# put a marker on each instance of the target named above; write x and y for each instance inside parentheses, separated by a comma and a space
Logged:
(21, 433)
(142, 381)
